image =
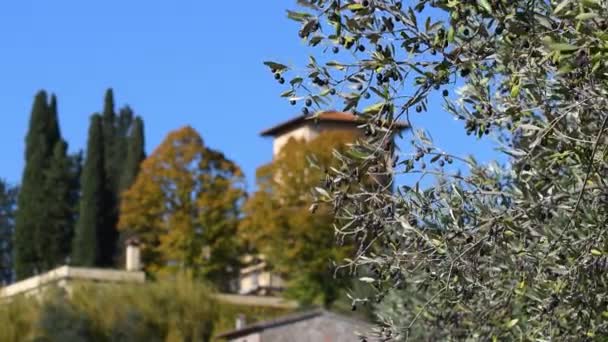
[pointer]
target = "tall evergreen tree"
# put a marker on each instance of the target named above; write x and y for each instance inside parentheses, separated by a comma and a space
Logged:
(124, 124)
(109, 138)
(32, 218)
(8, 201)
(76, 160)
(53, 123)
(135, 154)
(131, 148)
(119, 141)
(62, 184)
(55, 239)
(112, 163)
(89, 235)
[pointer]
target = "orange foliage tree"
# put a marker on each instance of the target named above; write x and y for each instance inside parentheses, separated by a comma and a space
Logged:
(299, 244)
(184, 206)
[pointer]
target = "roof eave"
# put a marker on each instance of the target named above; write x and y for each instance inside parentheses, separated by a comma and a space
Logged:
(271, 324)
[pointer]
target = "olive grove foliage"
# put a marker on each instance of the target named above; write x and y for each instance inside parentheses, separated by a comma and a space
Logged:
(514, 252)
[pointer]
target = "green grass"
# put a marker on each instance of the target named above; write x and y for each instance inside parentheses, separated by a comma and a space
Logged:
(169, 310)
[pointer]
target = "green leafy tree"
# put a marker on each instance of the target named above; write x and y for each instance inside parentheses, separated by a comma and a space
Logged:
(91, 227)
(513, 252)
(298, 244)
(8, 206)
(184, 206)
(31, 226)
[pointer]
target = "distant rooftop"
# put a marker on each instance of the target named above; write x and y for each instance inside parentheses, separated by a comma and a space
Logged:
(288, 319)
(329, 116)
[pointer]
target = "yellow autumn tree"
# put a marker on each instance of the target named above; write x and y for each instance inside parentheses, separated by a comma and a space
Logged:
(298, 244)
(184, 206)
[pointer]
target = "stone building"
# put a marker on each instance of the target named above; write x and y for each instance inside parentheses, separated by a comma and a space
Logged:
(311, 326)
(255, 277)
(308, 128)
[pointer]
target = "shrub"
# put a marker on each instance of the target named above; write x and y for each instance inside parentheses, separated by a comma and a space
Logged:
(176, 309)
(170, 310)
(17, 319)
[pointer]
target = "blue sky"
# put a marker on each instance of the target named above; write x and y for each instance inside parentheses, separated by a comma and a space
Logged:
(176, 63)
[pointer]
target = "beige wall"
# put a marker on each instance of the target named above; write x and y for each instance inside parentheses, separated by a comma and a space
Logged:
(259, 279)
(304, 132)
(63, 275)
(310, 131)
(247, 283)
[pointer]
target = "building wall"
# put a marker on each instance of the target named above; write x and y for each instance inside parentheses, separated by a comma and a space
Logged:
(251, 281)
(310, 131)
(247, 283)
(64, 275)
(259, 279)
(304, 132)
(324, 328)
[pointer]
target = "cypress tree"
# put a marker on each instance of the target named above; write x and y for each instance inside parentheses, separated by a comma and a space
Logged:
(8, 201)
(76, 160)
(112, 164)
(55, 239)
(123, 150)
(31, 220)
(135, 154)
(90, 227)
(123, 129)
(53, 123)
(109, 140)
(121, 138)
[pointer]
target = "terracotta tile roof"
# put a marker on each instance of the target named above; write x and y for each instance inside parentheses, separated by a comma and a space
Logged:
(329, 116)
